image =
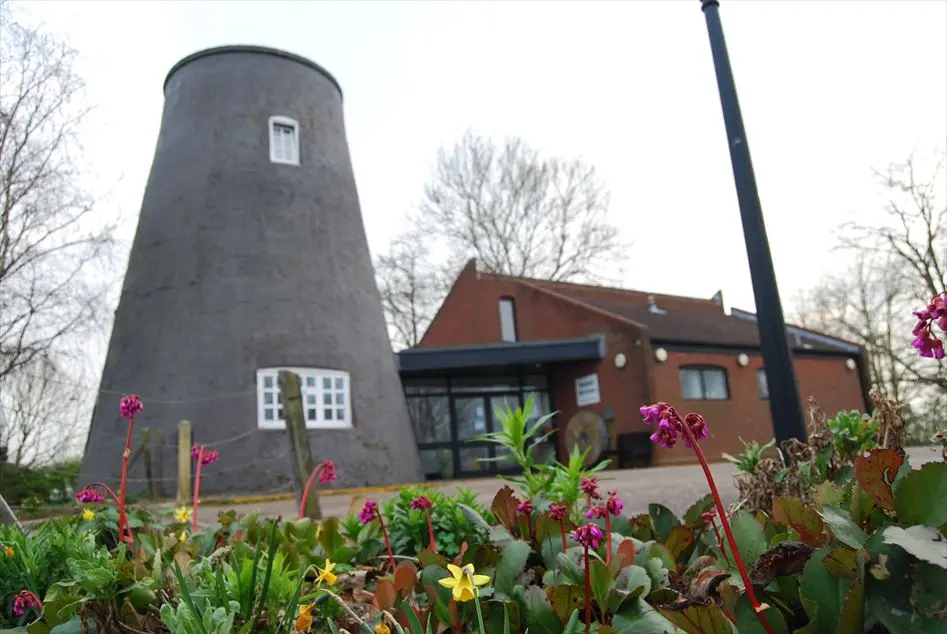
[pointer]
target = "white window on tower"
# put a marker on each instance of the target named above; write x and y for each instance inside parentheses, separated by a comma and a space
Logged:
(284, 140)
(326, 398)
(507, 319)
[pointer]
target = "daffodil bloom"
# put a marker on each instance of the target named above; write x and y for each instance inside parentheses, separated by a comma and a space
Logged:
(464, 583)
(325, 574)
(88, 515)
(8, 552)
(304, 620)
(182, 515)
(381, 628)
(182, 536)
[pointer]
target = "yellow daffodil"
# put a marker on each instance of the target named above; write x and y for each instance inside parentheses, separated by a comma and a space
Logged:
(88, 515)
(182, 536)
(183, 515)
(325, 574)
(8, 552)
(304, 620)
(464, 583)
(381, 628)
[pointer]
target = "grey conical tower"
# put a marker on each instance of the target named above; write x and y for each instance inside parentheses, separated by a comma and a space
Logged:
(250, 255)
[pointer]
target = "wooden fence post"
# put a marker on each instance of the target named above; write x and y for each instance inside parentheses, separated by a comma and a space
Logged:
(292, 401)
(184, 463)
(6, 514)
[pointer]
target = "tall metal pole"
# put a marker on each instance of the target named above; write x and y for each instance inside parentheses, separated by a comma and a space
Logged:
(784, 402)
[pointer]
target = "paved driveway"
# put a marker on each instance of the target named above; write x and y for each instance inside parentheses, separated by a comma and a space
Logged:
(676, 487)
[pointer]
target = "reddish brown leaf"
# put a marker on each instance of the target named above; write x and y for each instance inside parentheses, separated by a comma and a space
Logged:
(841, 563)
(504, 508)
(679, 540)
(875, 473)
(406, 574)
(705, 585)
(385, 594)
(641, 527)
(783, 559)
(697, 617)
(804, 519)
(625, 555)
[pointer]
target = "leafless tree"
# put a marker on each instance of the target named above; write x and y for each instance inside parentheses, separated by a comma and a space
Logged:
(53, 251)
(516, 211)
(39, 413)
(898, 265)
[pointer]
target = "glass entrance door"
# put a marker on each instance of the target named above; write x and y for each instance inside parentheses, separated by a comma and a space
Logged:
(473, 418)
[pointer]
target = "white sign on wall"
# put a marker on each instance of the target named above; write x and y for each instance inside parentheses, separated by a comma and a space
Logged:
(586, 390)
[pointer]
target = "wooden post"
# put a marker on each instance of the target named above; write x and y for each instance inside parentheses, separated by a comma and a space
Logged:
(6, 514)
(184, 463)
(291, 399)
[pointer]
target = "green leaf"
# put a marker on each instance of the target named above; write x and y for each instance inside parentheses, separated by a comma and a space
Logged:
(632, 582)
(697, 618)
(641, 618)
(512, 563)
(920, 496)
(72, 626)
(571, 566)
(540, 616)
(663, 520)
(749, 623)
(804, 519)
(851, 620)
(565, 599)
(923, 542)
(929, 591)
(822, 593)
(749, 537)
(843, 527)
(601, 581)
(692, 516)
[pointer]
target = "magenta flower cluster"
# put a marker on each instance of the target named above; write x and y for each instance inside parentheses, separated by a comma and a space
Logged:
(589, 486)
(207, 456)
(89, 496)
(525, 507)
(24, 601)
(589, 536)
(327, 473)
(558, 512)
(421, 503)
(670, 425)
(129, 405)
(613, 506)
(369, 512)
(925, 341)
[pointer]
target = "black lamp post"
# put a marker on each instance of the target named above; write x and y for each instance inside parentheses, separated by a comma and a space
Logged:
(784, 402)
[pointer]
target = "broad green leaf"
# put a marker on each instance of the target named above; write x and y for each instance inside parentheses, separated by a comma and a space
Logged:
(875, 473)
(841, 562)
(640, 618)
(843, 527)
(692, 517)
(919, 498)
(696, 618)
(851, 620)
(565, 599)
(822, 594)
(929, 590)
(512, 562)
(679, 541)
(572, 566)
(540, 616)
(923, 542)
(601, 582)
(749, 537)
(663, 520)
(749, 623)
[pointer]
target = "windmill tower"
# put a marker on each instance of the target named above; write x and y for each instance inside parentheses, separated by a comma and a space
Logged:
(250, 257)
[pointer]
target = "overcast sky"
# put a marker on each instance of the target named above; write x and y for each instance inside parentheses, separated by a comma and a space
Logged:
(829, 90)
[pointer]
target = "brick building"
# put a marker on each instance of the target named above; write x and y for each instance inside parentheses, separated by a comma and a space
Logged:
(598, 354)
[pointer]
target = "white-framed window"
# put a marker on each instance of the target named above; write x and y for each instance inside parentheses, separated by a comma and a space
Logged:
(284, 140)
(761, 385)
(327, 402)
(507, 319)
(704, 383)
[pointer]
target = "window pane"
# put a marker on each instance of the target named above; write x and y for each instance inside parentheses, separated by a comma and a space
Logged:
(340, 414)
(762, 387)
(535, 382)
(507, 320)
(267, 398)
(430, 417)
(437, 463)
(310, 399)
(327, 398)
(310, 381)
(485, 384)
(311, 414)
(470, 417)
(425, 386)
(328, 414)
(340, 398)
(267, 381)
(279, 413)
(326, 383)
(469, 459)
(690, 384)
(268, 413)
(498, 406)
(339, 383)
(715, 385)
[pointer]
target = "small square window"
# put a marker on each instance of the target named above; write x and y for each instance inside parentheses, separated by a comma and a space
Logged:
(327, 398)
(279, 413)
(310, 381)
(762, 387)
(708, 384)
(268, 413)
(268, 381)
(340, 383)
(267, 398)
(328, 414)
(340, 414)
(284, 141)
(340, 398)
(327, 383)
(311, 414)
(310, 399)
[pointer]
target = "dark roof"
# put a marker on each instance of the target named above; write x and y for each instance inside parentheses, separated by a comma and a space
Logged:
(499, 355)
(712, 328)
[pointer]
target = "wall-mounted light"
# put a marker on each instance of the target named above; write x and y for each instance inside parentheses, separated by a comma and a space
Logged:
(620, 360)
(661, 355)
(743, 360)
(850, 364)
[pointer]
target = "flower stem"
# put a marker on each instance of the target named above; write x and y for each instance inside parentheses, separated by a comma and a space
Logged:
(483, 630)
(720, 541)
(124, 530)
(562, 529)
(588, 593)
(197, 488)
(721, 511)
(608, 538)
(384, 531)
(302, 503)
(430, 530)
(102, 485)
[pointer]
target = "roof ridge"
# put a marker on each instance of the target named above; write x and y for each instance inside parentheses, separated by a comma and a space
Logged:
(580, 303)
(592, 287)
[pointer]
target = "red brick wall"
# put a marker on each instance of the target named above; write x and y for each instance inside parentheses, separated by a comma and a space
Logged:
(745, 414)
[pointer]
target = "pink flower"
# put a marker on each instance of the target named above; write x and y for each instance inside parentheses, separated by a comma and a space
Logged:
(665, 435)
(697, 426)
(614, 504)
(596, 512)
(24, 601)
(89, 496)
(558, 512)
(525, 507)
(589, 536)
(421, 503)
(129, 405)
(707, 517)
(589, 486)
(207, 456)
(671, 425)
(925, 341)
(327, 472)
(369, 512)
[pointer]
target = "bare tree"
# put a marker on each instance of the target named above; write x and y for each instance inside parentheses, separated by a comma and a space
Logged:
(39, 413)
(516, 211)
(52, 249)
